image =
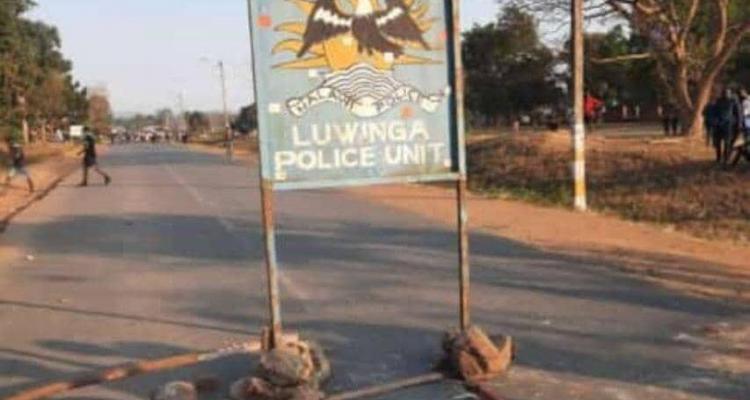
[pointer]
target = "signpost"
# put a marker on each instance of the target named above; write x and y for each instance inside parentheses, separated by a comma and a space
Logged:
(358, 92)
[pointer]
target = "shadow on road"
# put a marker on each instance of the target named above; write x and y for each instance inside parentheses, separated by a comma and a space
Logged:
(379, 298)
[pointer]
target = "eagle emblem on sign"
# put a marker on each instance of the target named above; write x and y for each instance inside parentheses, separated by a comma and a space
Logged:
(354, 47)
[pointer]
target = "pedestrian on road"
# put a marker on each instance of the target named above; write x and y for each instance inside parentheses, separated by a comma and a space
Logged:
(89, 160)
(17, 165)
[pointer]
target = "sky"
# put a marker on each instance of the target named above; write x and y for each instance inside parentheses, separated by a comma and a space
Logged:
(148, 53)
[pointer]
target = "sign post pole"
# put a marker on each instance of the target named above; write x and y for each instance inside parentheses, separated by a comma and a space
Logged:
(463, 251)
(272, 275)
(457, 77)
(358, 92)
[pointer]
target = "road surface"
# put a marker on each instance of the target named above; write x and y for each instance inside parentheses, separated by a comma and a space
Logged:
(169, 259)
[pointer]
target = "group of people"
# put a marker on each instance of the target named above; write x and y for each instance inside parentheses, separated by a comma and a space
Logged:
(727, 119)
(17, 163)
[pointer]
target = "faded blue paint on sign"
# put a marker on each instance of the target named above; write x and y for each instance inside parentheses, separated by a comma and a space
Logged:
(354, 91)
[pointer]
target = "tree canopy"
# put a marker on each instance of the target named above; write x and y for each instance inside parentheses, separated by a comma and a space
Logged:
(509, 71)
(247, 120)
(691, 42)
(36, 84)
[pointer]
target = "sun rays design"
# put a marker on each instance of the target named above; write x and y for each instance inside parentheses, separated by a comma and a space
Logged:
(341, 52)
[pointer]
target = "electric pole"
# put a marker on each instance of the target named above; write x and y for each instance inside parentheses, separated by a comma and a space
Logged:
(182, 121)
(227, 124)
(579, 126)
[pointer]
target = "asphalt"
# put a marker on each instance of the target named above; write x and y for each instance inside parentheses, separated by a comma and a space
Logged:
(168, 259)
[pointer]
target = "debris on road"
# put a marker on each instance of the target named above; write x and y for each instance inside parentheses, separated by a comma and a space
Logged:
(475, 357)
(293, 371)
(176, 391)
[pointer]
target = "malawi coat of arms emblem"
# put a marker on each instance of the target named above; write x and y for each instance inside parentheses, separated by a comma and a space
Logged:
(354, 47)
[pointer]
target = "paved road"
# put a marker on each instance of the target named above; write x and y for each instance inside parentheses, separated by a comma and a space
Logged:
(168, 259)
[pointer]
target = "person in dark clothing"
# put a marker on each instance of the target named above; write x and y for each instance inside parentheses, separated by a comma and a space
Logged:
(743, 150)
(670, 120)
(709, 120)
(17, 165)
(726, 126)
(89, 160)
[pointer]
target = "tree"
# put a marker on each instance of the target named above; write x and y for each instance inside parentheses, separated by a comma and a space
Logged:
(628, 82)
(247, 120)
(36, 87)
(197, 122)
(691, 42)
(509, 71)
(738, 69)
(100, 114)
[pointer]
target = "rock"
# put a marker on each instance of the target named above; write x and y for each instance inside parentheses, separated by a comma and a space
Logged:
(176, 391)
(259, 389)
(293, 371)
(207, 384)
(476, 357)
(321, 364)
(284, 368)
(238, 389)
(251, 389)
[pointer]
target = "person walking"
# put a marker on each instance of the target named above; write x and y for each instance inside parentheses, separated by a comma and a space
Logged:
(17, 165)
(591, 107)
(90, 161)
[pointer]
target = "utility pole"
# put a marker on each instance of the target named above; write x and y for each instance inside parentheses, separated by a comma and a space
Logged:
(227, 125)
(182, 121)
(24, 119)
(579, 126)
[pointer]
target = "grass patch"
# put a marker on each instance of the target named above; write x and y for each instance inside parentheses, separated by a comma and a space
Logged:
(675, 184)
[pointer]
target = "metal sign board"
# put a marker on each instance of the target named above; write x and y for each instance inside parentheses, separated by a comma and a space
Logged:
(355, 92)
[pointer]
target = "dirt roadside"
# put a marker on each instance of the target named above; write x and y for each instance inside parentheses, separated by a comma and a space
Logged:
(673, 259)
(48, 165)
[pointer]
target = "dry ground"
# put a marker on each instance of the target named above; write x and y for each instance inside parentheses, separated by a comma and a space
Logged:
(47, 163)
(673, 183)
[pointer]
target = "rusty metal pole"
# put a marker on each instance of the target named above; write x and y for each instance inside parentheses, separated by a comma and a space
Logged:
(579, 126)
(463, 251)
(461, 184)
(269, 233)
(272, 275)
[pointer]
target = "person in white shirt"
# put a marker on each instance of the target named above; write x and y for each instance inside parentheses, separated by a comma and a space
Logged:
(745, 103)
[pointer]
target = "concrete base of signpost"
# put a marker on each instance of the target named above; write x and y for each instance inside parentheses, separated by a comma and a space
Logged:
(294, 369)
(475, 357)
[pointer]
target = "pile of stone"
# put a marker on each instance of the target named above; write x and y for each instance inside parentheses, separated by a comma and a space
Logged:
(295, 370)
(475, 357)
(180, 390)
